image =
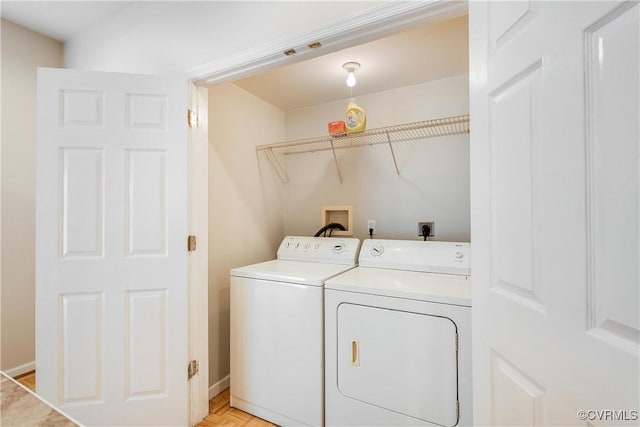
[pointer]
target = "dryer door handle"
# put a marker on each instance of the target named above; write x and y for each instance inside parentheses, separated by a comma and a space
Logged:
(355, 353)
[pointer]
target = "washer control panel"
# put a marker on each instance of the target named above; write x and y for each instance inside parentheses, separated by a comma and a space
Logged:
(411, 255)
(334, 250)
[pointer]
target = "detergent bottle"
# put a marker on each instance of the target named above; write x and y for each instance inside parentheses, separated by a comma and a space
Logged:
(355, 118)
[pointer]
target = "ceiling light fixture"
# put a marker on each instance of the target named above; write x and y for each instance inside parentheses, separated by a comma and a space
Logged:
(351, 68)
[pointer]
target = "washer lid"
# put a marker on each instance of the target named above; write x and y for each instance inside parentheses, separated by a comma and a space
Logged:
(433, 287)
(300, 272)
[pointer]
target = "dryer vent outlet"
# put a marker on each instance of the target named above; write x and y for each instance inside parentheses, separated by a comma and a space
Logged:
(431, 225)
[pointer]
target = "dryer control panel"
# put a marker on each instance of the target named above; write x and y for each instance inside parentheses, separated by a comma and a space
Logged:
(411, 255)
(332, 250)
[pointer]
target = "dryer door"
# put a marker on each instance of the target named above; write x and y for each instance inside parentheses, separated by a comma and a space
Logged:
(399, 361)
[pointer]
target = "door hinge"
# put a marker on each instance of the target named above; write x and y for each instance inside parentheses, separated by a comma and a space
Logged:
(458, 409)
(457, 343)
(192, 369)
(192, 118)
(191, 243)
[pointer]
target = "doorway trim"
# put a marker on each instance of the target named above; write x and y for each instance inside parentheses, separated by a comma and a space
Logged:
(360, 27)
(198, 258)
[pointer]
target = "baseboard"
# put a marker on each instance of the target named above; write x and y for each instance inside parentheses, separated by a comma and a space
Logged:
(219, 387)
(214, 390)
(19, 370)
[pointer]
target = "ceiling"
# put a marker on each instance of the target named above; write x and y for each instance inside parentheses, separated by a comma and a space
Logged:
(60, 20)
(429, 52)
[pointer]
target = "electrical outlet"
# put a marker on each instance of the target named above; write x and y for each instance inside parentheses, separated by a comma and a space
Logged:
(431, 225)
(371, 226)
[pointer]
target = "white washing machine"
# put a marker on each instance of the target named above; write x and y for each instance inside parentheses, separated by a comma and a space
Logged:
(398, 337)
(277, 329)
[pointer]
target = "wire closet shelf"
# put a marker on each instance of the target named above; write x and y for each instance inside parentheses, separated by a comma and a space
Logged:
(384, 135)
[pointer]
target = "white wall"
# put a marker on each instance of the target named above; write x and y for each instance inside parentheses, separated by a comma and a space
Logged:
(177, 36)
(434, 173)
(22, 52)
(245, 202)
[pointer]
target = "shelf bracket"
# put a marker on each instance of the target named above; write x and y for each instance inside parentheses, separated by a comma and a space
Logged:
(280, 170)
(335, 160)
(393, 154)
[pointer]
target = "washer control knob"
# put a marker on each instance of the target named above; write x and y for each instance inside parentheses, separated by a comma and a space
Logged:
(337, 248)
(459, 254)
(376, 250)
(307, 245)
(297, 245)
(317, 246)
(288, 244)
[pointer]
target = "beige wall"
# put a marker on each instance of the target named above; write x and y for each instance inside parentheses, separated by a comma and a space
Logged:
(434, 173)
(22, 52)
(245, 202)
(250, 210)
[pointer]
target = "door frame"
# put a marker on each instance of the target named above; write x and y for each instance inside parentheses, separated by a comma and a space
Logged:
(351, 30)
(197, 263)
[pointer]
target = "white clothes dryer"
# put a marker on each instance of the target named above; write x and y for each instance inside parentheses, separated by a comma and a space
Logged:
(277, 329)
(398, 337)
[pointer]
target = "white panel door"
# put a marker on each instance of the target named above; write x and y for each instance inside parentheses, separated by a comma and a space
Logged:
(111, 260)
(555, 95)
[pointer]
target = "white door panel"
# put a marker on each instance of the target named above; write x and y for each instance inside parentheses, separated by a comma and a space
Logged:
(555, 97)
(111, 268)
(613, 70)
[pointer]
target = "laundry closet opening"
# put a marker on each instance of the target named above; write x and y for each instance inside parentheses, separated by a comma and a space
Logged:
(415, 75)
